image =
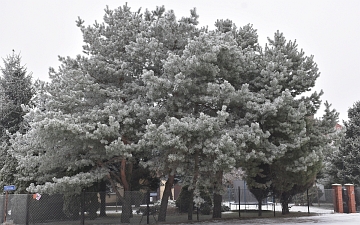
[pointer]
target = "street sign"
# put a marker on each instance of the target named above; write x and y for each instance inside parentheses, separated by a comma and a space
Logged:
(10, 188)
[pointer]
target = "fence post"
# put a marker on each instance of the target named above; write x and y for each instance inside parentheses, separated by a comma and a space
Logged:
(3, 207)
(28, 199)
(239, 200)
(308, 201)
(116, 203)
(229, 196)
(274, 203)
(338, 199)
(245, 193)
(6, 205)
(147, 207)
(351, 194)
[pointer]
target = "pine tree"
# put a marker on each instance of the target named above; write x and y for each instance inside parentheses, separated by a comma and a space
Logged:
(209, 78)
(15, 90)
(91, 114)
(345, 161)
(286, 74)
(181, 101)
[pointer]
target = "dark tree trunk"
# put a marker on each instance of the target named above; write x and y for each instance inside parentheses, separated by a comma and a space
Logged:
(125, 175)
(165, 198)
(126, 212)
(217, 196)
(191, 205)
(217, 205)
(285, 206)
(196, 175)
(102, 198)
(260, 207)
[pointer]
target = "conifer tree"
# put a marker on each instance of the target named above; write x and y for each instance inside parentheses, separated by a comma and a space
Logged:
(15, 90)
(152, 87)
(94, 109)
(288, 70)
(211, 76)
(345, 161)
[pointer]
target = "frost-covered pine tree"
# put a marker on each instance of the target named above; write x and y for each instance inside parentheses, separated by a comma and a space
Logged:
(345, 161)
(286, 75)
(310, 158)
(15, 90)
(88, 119)
(207, 81)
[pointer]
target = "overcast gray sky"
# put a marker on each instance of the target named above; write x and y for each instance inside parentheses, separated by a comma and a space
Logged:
(328, 29)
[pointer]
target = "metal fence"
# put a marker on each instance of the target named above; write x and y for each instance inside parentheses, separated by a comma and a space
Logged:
(246, 197)
(132, 207)
(88, 208)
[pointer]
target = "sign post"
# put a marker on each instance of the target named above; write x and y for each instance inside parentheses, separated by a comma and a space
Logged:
(7, 189)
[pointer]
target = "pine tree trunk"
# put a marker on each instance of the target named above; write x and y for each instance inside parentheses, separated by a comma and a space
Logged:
(260, 207)
(191, 205)
(285, 206)
(126, 207)
(113, 185)
(196, 175)
(165, 198)
(123, 175)
(217, 205)
(126, 212)
(102, 198)
(217, 196)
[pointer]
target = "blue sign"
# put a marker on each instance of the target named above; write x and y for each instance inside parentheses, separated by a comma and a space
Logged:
(10, 188)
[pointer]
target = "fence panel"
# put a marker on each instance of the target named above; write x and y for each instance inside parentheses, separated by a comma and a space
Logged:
(322, 199)
(131, 207)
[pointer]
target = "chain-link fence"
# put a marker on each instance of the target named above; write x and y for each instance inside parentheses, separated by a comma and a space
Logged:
(88, 208)
(133, 207)
(315, 196)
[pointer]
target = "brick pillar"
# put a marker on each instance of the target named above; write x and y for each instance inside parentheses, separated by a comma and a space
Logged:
(338, 201)
(351, 194)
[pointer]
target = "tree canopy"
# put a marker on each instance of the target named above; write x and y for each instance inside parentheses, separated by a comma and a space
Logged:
(154, 90)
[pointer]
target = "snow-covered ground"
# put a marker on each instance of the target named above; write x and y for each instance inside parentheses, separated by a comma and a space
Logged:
(313, 209)
(328, 219)
(325, 216)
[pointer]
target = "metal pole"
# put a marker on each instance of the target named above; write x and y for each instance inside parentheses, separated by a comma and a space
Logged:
(6, 204)
(308, 202)
(116, 203)
(229, 196)
(317, 194)
(245, 192)
(28, 199)
(239, 200)
(148, 207)
(274, 204)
